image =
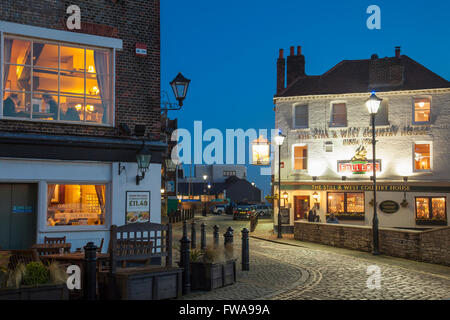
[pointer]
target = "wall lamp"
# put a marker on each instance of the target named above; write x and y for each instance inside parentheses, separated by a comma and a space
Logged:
(405, 179)
(143, 158)
(314, 178)
(344, 178)
(121, 168)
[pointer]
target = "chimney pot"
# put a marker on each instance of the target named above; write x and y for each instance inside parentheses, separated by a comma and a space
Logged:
(397, 52)
(292, 51)
(299, 50)
(281, 54)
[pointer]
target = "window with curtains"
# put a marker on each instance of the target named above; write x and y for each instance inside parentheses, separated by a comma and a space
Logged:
(300, 157)
(69, 205)
(56, 82)
(338, 115)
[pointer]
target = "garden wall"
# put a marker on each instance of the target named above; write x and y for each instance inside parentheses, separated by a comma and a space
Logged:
(431, 246)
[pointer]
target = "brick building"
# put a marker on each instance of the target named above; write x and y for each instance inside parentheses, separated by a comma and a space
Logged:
(78, 106)
(327, 152)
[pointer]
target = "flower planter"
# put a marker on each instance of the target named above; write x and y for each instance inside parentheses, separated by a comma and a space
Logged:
(209, 276)
(42, 292)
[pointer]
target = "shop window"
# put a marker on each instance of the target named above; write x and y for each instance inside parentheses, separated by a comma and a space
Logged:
(338, 115)
(300, 157)
(69, 205)
(346, 204)
(301, 116)
(48, 81)
(422, 156)
(422, 110)
(431, 210)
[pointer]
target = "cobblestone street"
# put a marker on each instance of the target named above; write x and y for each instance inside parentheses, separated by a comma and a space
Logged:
(298, 270)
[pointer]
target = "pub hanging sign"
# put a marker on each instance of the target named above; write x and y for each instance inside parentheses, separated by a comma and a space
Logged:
(358, 164)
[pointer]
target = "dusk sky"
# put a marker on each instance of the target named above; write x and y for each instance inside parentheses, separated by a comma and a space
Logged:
(229, 50)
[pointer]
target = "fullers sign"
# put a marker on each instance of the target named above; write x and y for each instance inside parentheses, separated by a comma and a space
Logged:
(359, 163)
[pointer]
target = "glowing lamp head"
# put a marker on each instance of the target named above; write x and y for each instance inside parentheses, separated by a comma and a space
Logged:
(315, 196)
(205, 177)
(285, 195)
(279, 138)
(373, 103)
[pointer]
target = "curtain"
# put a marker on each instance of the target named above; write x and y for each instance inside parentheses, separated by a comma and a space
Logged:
(50, 193)
(100, 190)
(7, 58)
(102, 68)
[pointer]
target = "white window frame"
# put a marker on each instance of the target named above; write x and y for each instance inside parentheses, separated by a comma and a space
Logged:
(414, 155)
(293, 157)
(413, 120)
(62, 38)
(294, 124)
(330, 123)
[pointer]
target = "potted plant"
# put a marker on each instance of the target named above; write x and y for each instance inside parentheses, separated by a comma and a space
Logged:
(33, 281)
(212, 268)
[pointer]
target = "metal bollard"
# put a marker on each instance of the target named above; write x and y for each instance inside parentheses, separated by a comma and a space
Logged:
(185, 260)
(193, 236)
(245, 251)
(228, 243)
(216, 236)
(203, 236)
(279, 236)
(90, 271)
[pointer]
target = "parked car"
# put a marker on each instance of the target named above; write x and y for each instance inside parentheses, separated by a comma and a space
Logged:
(264, 210)
(219, 209)
(243, 212)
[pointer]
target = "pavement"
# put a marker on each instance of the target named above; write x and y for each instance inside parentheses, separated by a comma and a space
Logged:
(288, 269)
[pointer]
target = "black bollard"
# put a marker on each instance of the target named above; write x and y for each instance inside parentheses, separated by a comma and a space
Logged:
(184, 228)
(90, 271)
(216, 236)
(279, 236)
(203, 237)
(193, 236)
(185, 261)
(228, 243)
(245, 251)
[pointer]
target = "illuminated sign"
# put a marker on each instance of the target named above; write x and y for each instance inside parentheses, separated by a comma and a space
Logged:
(261, 152)
(359, 163)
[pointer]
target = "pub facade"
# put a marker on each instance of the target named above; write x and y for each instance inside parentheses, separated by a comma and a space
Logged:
(79, 120)
(326, 157)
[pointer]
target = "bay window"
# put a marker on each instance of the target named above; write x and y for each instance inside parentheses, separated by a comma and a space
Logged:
(70, 204)
(56, 82)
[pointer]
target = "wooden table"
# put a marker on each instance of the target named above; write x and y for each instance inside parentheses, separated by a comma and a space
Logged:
(45, 249)
(75, 257)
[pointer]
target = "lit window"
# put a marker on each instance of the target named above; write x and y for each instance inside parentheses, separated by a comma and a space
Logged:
(46, 81)
(431, 209)
(338, 115)
(300, 157)
(301, 116)
(346, 203)
(75, 205)
(422, 110)
(422, 156)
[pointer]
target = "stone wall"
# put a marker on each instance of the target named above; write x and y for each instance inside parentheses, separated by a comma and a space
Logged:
(431, 246)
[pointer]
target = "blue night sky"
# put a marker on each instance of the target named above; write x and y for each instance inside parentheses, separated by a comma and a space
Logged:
(229, 50)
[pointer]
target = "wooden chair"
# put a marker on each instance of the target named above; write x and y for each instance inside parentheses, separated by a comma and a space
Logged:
(22, 256)
(99, 249)
(49, 240)
(51, 248)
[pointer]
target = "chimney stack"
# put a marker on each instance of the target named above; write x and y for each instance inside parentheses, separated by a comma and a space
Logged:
(397, 52)
(281, 72)
(295, 65)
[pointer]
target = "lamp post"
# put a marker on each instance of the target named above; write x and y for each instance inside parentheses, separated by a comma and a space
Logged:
(373, 104)
(279, 139)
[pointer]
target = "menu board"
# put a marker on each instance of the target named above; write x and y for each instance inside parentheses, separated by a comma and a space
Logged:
(137, 207)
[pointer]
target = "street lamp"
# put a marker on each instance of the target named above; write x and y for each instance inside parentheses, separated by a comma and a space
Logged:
(180, 86)
(143, 158)
(373, 104)
(279, 139)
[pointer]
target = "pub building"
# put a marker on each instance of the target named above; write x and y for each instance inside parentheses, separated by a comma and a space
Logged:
(79, 120)
(326, 157)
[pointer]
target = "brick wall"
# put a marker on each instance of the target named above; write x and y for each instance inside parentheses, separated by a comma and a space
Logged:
(137, 79)
(431, 246)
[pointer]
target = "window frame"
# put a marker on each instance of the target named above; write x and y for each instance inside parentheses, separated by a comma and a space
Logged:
(414, 154)
(67, 228)
(294, 124)
(59, 43)
(413, 121)
(430, 208)
(330, 123)
(346, 213)
(293, 157)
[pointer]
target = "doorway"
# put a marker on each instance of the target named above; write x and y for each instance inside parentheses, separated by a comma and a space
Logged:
(301, 207)
(18, 215)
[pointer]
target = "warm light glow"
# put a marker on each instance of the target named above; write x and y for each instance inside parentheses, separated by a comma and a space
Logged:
(91, 69)
(315, 196)
(90, 108)
(78, 107)
(260, 151)
(162, 190)
(94, 90)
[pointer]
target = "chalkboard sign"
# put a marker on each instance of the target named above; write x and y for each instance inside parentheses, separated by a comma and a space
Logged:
(389, 206)
(285, 216)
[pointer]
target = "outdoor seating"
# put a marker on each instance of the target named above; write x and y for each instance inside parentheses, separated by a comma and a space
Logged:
(51, 248)
(50, 240)
(135, 266)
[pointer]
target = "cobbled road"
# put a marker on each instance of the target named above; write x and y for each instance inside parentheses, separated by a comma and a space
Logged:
(301, 272)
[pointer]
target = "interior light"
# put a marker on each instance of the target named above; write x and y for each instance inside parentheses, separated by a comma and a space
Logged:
(94, 90)
(91, 69)
(78, 107)
(90, 108)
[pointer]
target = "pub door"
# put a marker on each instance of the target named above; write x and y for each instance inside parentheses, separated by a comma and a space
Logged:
(17, 215)
(301, 207)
